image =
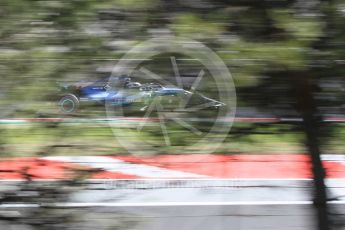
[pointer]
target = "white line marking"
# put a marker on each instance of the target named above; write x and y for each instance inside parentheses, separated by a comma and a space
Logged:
(180, 179)
(165, 204)
(335, 157)
(116, 165)
(84, 120)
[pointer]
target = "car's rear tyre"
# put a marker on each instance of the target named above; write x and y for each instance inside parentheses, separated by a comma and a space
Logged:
(69, 104)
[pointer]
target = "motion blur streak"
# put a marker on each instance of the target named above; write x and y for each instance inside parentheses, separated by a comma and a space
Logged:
(162, 114)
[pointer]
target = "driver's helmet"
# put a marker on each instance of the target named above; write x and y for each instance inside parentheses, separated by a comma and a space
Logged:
(133, 85)
(121, 81)
(125, 79)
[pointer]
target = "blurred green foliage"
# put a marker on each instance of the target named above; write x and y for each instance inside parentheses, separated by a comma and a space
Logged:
(43, 42)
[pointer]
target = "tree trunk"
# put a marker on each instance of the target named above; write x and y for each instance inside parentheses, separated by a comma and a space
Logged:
(311, 123)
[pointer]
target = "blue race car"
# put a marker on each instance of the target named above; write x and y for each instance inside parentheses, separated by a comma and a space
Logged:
(125, 93)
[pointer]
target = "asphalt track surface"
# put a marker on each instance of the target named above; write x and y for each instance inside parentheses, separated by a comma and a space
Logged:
(186, 204)
(215, 217)
(192, 204)
(215, 192)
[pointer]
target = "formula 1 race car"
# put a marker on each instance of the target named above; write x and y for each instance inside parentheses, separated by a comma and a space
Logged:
(124, 92)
